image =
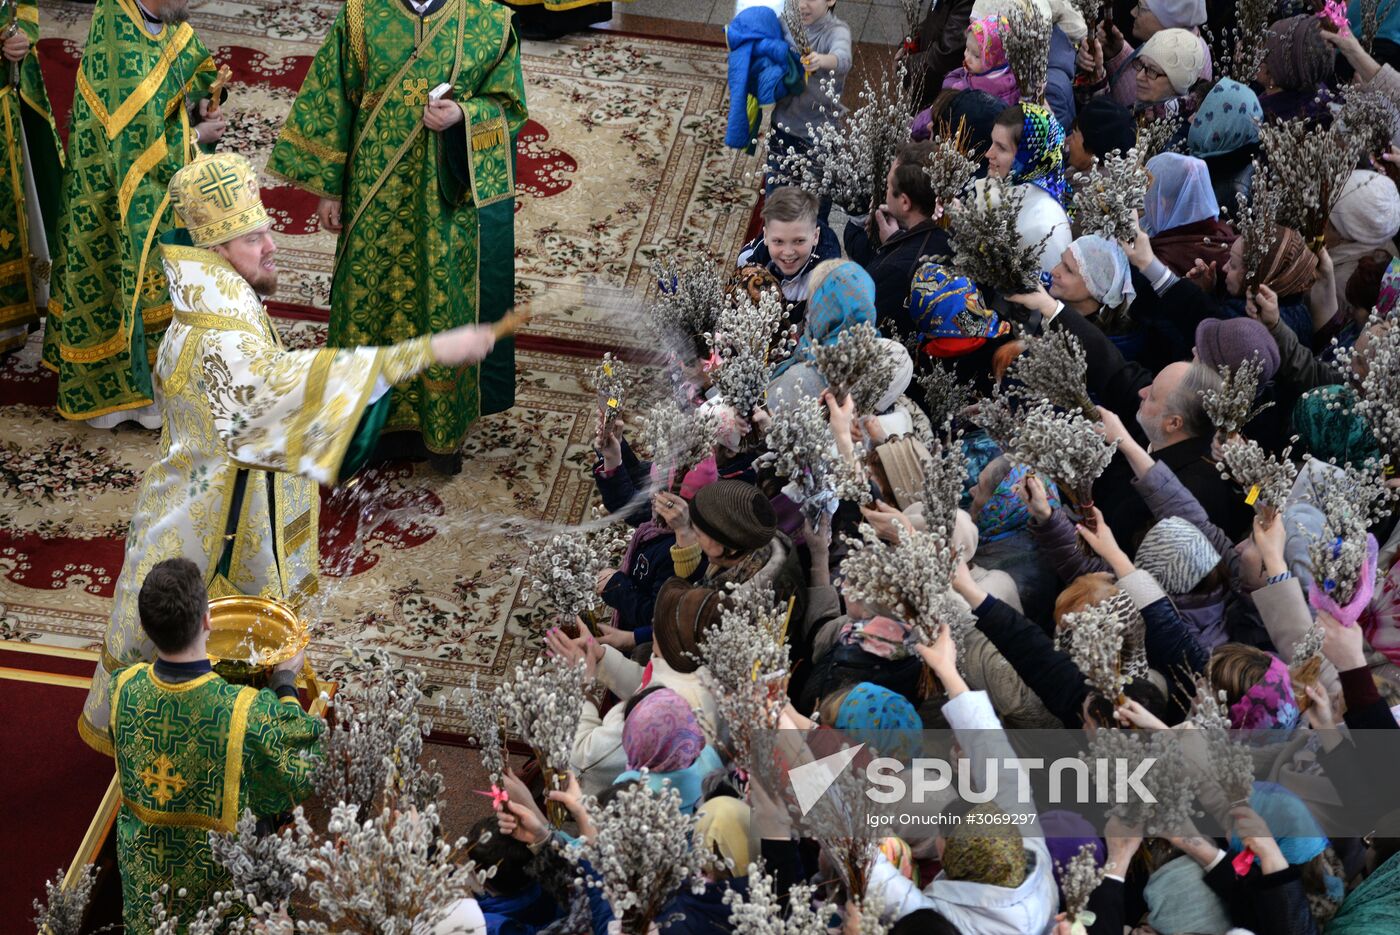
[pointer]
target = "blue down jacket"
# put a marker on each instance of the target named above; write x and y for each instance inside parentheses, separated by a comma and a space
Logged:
(762, 70)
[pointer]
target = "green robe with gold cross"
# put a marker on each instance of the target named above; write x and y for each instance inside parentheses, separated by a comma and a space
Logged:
(30, 175)
(191, 757)
(428, 237)
(130, 134)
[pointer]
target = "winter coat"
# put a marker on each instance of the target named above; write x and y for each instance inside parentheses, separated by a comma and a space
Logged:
(1000, 83)
(762, 69)
(892, 265)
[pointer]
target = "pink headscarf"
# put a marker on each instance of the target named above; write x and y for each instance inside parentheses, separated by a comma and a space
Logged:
(1268, 703)
(986, 32)
(661, 733)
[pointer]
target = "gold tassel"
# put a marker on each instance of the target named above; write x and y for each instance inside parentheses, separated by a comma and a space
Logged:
(491, 135)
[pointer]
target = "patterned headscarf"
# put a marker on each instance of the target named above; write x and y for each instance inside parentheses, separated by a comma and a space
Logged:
(1298, 58)
(661, 733)
(844, 296)
(986, 32)
(1329, 428)
(1291, 268)
(1267, 703)
(1228, 119)
(877, 716)
(948, 312)
(1389, 295)
(1040, 155)
(1105, 269)
(1005, 513)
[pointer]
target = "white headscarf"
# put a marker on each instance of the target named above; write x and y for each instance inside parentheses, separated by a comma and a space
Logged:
(1368, 211)
(1105, 269)
(1180, 193)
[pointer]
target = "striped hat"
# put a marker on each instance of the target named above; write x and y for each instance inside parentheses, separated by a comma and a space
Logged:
(1177, 554)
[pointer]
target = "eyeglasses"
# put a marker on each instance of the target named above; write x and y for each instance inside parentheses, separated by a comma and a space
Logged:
(1148, 69)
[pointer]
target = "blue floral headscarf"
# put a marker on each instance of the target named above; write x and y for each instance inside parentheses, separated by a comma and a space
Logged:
(844, 297)
(881, 718)
(945, 305)
(1228, 119)
(1005, 513)
(1041, 153)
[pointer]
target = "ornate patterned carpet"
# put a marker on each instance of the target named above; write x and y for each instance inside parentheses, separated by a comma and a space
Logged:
(621, 162)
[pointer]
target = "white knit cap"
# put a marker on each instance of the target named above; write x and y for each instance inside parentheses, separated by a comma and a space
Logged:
(1368, 210)
(1179, 53)
(1177, 554)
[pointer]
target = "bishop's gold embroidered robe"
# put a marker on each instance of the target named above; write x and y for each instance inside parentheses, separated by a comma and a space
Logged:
(247, 426)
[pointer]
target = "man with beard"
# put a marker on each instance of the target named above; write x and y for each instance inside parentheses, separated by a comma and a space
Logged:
(251, 429)
(141, 111)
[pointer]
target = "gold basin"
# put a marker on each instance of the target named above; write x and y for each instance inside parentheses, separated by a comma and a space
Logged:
(251, 635)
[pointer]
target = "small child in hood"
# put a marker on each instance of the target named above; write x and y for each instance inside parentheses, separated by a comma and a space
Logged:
(985, 66)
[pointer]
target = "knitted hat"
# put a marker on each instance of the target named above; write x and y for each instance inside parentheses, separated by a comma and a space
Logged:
(1179, 901)
(1230, 342)
(1173, 14)
(1177, 52)
(1368, 210)
(1106, 126)
(682, 614)
(1298, 58)
(1177, 554)
(995, 855)
(735, 514)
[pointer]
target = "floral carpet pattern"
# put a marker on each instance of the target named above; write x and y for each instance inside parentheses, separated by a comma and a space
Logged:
(621, 163)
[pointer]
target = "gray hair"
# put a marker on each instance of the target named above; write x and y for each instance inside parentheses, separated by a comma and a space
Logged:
(1186, 403)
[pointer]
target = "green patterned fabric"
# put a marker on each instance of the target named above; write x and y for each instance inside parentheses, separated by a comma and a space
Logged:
(428, 238)
(130, 133)
(32, 146)
(191, 757)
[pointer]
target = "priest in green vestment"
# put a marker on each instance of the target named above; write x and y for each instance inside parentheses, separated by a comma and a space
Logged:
(30, 175)
(193, 752)
(420, 191)
(250, 429)
(134, 123)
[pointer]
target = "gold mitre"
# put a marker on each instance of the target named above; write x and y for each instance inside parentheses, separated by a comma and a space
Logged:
(218, 198)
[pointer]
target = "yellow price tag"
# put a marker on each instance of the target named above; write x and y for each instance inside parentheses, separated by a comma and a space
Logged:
(612, 402)
(1252, 495)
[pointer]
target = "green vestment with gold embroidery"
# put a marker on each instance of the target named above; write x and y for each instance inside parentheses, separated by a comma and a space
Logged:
(191, 757)
(428, 218)
(129, 135)
(30, 176)
(249, 432)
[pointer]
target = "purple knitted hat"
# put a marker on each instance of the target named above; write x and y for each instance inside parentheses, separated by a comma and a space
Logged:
(1233, 341)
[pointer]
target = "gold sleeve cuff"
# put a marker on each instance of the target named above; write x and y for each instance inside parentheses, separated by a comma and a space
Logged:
(407, 359)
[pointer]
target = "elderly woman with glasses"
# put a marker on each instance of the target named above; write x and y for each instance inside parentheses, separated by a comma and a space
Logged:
(1165, 69)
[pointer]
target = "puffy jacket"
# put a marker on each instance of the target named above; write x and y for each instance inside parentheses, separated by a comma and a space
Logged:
(762, 68)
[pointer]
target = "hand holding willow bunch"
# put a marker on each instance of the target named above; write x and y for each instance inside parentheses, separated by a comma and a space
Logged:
(985, 242)
(856, 365)
(1306, 664)
(642, 854)
(1232, 407)
(1267, 479)
(1078, 880)
(1351, 501)
(742, 338)
(563, 570)
(1053, 367)
(543, 704)
(613, 383)
(1109, 198)
(1257, 224)
(1065, 447)
(376, 725)
(801, 448)
(1312, 165)
(1098, 635)
(1171, 780)
(1027, 42)
(1379, 388)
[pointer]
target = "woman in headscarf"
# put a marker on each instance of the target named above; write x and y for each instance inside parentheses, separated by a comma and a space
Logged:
(1296, 68)
(1166, 68)
(1149, 18)
(1028, 151)
(953, 323)
(1225, 134)
(1290, 270)
(1181, 214)
(1095, 279)
(842, 294)
(660, 734)
(1365, 218)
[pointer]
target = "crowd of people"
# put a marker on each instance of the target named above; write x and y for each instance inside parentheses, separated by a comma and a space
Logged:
(1226, 592)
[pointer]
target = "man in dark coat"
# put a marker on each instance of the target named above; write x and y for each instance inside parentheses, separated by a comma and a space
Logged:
(907, 232)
